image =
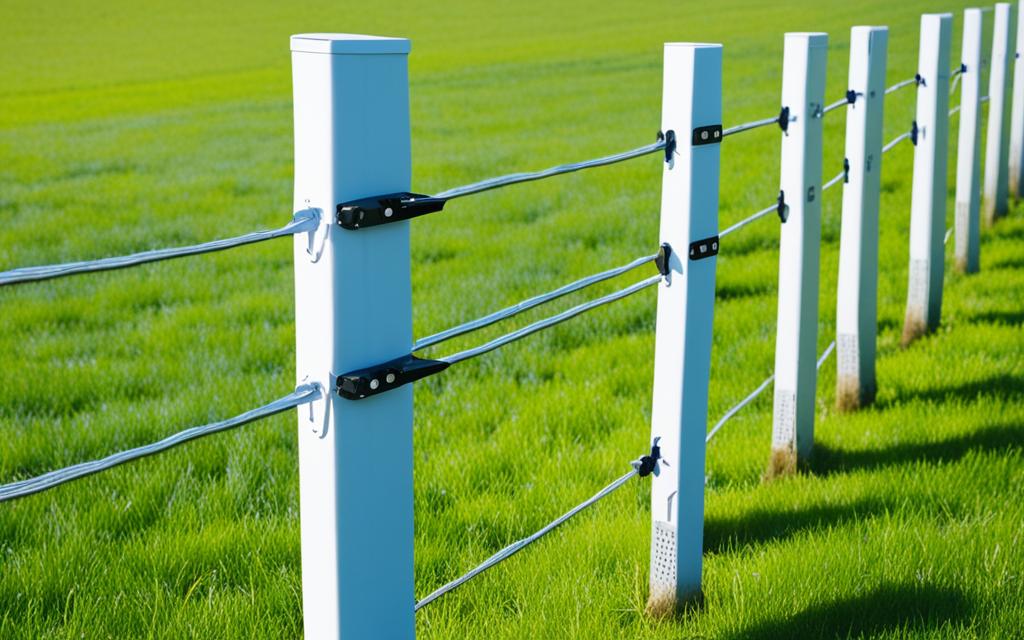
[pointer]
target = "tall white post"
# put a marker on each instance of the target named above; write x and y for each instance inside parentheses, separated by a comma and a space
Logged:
(857, 297)
(928, 194)
(692, 109)
(968, 154)
(997, 143)
(1016, 163)
(352, 310)
(803, 91)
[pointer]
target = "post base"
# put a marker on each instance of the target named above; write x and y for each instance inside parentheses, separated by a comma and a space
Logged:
(914, 327)
(851, 395)
(665, 604)
(783, 462)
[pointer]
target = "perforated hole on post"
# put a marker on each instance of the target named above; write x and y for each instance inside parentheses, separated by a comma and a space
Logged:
(663, 556)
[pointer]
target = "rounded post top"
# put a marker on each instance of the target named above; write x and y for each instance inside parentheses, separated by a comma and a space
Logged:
(348, 43)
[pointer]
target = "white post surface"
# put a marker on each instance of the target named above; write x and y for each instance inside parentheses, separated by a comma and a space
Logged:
(1016, 162)
(692, 99)
(928, 195)
(857, 297)
(997, 142)
(968, 154)
(803, 91)
(353, 309)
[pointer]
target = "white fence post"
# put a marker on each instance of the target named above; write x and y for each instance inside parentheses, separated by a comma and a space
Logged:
(857, 299)
(803, 91)
(1016, 163)
(928, 195)
(997, 143)
(353, 309)
(968, 155)
(692, 109)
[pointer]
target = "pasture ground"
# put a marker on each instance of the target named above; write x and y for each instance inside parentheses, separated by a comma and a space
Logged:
(126, 127)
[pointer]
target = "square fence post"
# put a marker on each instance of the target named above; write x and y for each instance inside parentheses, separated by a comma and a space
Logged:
(857, 297)
(1016, 161)
(353, 309)
(997, 142)
(928, 194)
(968, 154)
(692, 109)
(803, 92)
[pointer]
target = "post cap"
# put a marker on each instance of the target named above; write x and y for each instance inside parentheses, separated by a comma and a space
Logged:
(348, 43)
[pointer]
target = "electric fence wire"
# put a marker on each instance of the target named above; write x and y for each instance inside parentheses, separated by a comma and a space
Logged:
(529, 303)
(303, 221)
(954, 110)
(835, 105)
(900, 85)
(519, 545)
(303, 394)
(756, 392)
(895, 141)
(516, 178)
(747, 126)
(551, 321)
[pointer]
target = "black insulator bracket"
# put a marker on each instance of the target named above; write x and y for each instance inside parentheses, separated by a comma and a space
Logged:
(846, 170)
(919, 80)
(363, 383)
(913, 132)
(705, 248)
(851, 96)
(670, 143)
(649, 462)
(784, 120)
(782, 208)
(664, 255)
(392, 207)
(711, 134)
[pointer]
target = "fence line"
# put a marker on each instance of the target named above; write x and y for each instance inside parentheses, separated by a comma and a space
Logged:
(529, 303)
(303, 221)
(904, 83)
(302, 395)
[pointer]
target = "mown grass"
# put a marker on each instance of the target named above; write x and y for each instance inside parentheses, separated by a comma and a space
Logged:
(125, 128)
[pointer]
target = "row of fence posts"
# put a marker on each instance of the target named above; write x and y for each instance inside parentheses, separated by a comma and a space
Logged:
(353, 289)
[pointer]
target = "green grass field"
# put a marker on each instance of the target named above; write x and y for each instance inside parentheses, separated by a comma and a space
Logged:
(125, 128)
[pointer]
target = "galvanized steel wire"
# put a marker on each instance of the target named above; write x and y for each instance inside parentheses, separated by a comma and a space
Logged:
(302, 222)
(551, 321)
(519, 545)
(303, 394)
(747, 126)
(516, 178)
(529, 303)
(901, 84)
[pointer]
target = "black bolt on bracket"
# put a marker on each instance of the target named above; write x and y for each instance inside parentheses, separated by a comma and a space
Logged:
(705, 248)
(362, 383)
(784, 120)
(846, 170)
(913, 133)
(664, 255)
(711, 134)
(782, 209)
(378, 210)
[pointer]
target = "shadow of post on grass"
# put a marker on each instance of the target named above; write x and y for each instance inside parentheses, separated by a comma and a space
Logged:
(903, 608)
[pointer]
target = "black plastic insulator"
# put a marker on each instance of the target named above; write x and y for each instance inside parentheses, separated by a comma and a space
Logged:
(782, 209)
(392, 207)
(670, 143)
(919, 80)
(362, 383)
(913, 133)
(664, 256)
(784, 119)
(851, 96)
(846, 170)
(649, 462)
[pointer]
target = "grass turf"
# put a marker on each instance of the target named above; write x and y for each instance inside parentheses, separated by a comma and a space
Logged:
(125, 127)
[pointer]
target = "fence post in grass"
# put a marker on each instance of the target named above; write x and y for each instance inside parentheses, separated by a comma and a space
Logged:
(692, 110)
(353, 309)
(803, 91)
(857, 301)
(1016, 162)
(928, 194)
(968, 154)
(994, 202)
